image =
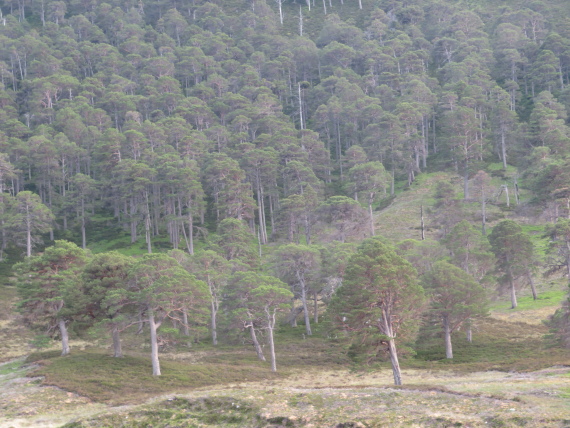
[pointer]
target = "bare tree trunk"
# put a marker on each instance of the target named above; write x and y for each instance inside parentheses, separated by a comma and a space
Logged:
(513, 290)
(270, 327)
(117, 349)
(466, 182)
(532, 286)
(141, 323)
(395, 363)
(190, 234)
(256, 344)
(508, 200)
(153, 343)
(422, 222)
(387, 330)
(214, 311)
(469, 331)
(147, 232)
(279, 2)
(64, 336)
(293, 315)
(315, 308)
(305, 308)
(28, 238)
(447, 331)
(185, 328)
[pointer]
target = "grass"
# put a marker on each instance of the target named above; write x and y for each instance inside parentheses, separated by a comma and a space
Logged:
(128, 380)
(497, 345)
(546, 299)
(14, 337)
(11, 367)
(180, 412)
(331, 398)
(401, 219)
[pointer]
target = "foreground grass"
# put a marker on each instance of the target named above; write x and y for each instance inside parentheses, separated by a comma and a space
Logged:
(349, 399)
(128, 380)
(14, 337)
(509, 376)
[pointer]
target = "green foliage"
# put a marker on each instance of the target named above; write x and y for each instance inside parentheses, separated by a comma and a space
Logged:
(514, 251)
(47, 284)
(221, 128)
(380, 298)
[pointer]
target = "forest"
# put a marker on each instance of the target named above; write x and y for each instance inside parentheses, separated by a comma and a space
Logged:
(386, 181)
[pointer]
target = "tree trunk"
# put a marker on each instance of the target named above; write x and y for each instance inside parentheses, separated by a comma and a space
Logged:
(305, 308)
(64, 336)
(293, 315)
(387, 330)
(422, 225)
(270, 326)
(395, 363)
(447, 331)
(185, 328)
(214, 312)
(256, 344)
(141, 323)
(117, 349)
(513, 291)
(503, 149)
(315, 308)
(469, 331)
(147, 233)
(153, 343)
(190, 233)
(532, 286)
(28, 238)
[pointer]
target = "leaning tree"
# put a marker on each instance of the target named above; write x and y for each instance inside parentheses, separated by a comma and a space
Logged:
(380, 299)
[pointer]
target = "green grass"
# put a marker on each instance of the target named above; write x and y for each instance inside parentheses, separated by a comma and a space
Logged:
(536, 234)
(497, 345)
(552, 298)
(11, 367)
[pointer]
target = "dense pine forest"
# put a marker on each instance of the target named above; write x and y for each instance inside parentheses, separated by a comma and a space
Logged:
(370, 175)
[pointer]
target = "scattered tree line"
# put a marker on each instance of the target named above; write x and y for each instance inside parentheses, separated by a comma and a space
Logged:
(374, 294)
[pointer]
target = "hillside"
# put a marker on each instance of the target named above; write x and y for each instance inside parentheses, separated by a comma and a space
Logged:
(230, 213)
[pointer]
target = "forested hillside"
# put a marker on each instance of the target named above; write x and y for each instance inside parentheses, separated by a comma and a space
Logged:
(212, 170)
